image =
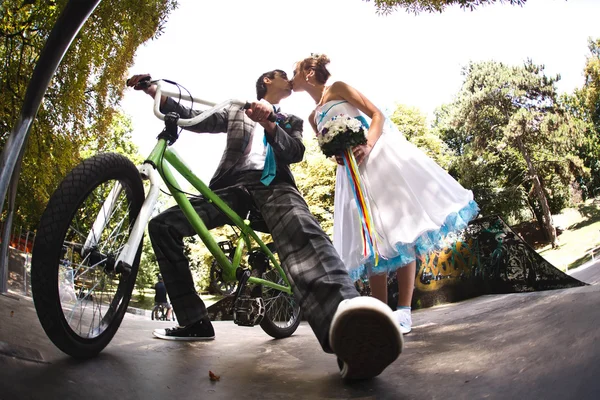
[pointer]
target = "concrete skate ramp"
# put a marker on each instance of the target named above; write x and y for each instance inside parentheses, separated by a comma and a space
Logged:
(488, 258)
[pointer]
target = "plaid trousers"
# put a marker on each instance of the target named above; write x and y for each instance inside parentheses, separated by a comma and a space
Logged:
(318, 277)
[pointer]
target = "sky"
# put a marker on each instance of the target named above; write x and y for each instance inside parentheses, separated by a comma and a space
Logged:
(217, 50)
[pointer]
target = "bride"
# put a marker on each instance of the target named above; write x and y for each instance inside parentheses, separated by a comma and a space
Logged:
(414, 203)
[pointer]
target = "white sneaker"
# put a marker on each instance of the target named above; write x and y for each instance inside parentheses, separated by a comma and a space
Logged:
(404, 319)
(365, 336)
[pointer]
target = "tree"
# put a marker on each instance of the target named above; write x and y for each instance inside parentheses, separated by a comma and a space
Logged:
(417, 6)
(584, 105)
(80, 104)
(413, 125)
(508, 122)
(590, 93)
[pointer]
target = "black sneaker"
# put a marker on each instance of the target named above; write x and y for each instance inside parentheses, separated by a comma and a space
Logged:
(201, 330)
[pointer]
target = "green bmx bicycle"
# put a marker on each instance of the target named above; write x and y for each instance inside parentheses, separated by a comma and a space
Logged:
(91, 231)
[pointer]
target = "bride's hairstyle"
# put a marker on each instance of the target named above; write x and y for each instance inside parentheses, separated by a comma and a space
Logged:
(318, 63)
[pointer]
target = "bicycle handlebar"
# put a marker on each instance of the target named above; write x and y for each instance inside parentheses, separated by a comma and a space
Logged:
(200, 117)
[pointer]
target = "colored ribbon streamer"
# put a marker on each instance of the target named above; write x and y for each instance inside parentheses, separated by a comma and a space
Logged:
(364, 212)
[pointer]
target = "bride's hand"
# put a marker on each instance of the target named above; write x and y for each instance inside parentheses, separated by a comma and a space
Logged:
(361, 152)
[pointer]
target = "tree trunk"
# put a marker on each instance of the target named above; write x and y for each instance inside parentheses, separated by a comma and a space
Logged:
(541, 196)
(539, 218)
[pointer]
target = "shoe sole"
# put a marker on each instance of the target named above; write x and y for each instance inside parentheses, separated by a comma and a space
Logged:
(366, 339)
(183, 339)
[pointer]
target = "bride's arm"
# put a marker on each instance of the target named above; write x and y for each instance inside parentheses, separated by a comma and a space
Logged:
(358, 100)
(311, 120)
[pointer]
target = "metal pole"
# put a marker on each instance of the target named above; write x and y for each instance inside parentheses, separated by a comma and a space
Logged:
(25, 287)
(6, 236)
(70, 21)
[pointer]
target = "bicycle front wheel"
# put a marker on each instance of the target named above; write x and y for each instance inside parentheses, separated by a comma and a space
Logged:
(282, 312)
(81, 233)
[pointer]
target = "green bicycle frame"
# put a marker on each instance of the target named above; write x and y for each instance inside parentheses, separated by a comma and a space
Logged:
(162, 153)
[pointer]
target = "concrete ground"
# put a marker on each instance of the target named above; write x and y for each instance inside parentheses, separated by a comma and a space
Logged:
(543, 345)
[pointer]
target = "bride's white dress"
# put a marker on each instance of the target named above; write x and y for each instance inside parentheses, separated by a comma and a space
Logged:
(415, 204)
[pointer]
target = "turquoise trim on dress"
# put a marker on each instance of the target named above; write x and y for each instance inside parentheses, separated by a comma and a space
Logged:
(363, 121)
(324, 113)
(425, 243)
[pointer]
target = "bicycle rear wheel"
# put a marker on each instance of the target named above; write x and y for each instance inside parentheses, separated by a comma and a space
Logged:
(282, 312)
(159, 313)
(68, 249)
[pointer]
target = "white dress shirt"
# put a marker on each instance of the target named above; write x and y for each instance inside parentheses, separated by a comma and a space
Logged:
(256, 152)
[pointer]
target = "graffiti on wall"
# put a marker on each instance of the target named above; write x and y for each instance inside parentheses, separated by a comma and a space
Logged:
(488, 257)
(451, 263)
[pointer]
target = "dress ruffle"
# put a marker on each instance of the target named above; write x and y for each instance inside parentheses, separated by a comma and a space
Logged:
(426, 242)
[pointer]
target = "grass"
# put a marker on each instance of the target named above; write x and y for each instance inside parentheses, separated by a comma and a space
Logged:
(581, 234)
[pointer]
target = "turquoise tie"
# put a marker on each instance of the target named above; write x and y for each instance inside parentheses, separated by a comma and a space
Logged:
(270, 168)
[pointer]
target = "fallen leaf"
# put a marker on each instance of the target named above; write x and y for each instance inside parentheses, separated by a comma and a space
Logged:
(213, 377)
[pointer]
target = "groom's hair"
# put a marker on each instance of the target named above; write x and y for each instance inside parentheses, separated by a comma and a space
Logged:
(261, 88)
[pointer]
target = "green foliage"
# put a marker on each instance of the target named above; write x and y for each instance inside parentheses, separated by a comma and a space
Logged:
(116, 140)
(200, 259)
(508, 130)
(80, 105)
(417, 6)
(584, 105)
(590, 93)
(146, 277)
(413, 125)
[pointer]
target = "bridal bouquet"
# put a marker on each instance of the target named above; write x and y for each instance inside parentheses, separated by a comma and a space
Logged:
(340, 133)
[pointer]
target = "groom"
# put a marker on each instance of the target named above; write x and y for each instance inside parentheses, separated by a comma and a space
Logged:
(361, 331)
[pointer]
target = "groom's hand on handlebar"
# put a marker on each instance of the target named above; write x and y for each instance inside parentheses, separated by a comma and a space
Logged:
(262, 112)
(142, 82)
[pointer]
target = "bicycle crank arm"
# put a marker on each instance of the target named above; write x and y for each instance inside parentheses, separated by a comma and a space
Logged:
(243, 277)
(247, 310)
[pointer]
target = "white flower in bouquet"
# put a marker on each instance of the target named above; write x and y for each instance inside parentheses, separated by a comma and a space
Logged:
(339, 133)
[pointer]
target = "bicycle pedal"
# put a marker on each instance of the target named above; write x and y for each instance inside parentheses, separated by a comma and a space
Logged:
(248, 311)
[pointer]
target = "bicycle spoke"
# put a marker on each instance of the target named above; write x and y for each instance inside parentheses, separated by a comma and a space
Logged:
(94, 302)
(280, 307)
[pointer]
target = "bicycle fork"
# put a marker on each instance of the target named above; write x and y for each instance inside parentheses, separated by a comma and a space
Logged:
(126, 257)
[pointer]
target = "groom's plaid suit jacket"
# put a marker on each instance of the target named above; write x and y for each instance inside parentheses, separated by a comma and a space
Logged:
(287, 144)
